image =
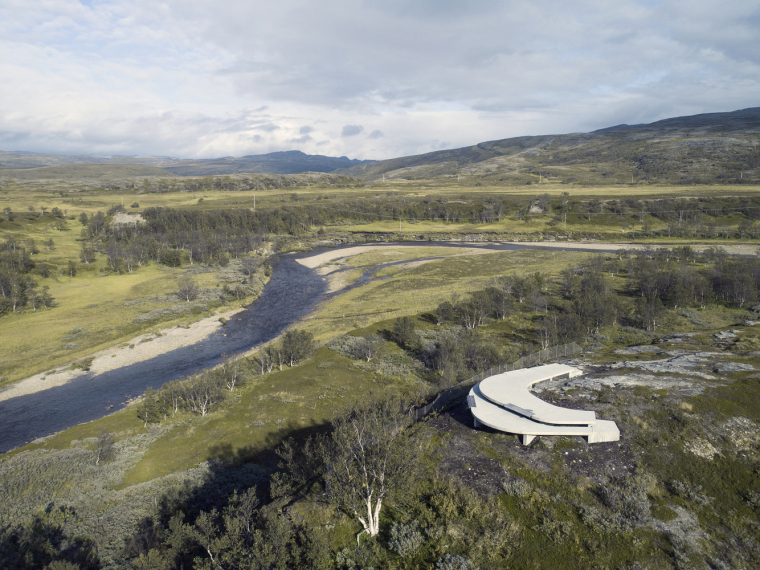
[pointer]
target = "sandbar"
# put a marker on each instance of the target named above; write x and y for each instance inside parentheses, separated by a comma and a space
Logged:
(144, 347)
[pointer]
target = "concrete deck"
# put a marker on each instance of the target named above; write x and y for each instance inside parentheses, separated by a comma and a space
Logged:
(503, 402)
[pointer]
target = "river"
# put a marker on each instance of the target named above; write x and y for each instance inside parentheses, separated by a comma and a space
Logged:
(292, 293)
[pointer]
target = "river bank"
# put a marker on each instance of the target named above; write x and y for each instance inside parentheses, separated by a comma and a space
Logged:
(138, 349)
(145, 347)
(316, 260)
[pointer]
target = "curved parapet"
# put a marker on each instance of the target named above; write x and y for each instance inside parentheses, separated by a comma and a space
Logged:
(504, 402)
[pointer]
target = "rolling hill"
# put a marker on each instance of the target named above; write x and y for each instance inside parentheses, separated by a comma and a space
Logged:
(709, 148)
(31, 165)
(287, 162)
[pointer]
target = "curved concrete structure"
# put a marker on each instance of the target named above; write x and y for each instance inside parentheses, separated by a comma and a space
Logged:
(504, 402)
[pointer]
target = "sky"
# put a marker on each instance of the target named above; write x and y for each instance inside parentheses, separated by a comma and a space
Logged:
(367, 79)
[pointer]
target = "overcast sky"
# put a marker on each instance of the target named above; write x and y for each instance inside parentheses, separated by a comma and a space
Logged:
(366, 79)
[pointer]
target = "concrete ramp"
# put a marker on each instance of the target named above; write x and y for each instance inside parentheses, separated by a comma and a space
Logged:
(504, 402)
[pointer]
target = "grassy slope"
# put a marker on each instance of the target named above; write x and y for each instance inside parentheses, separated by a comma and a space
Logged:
(85, 171)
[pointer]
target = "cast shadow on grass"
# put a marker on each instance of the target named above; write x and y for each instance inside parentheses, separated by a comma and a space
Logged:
(230, 470)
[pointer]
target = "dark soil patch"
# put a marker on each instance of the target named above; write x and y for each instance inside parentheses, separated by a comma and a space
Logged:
(474, 456)
(599, 460)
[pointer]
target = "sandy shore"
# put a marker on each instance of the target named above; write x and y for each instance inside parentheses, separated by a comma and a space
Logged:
(146, 346)
(315, 261)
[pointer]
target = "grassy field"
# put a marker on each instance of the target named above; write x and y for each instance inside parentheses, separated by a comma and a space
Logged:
(422, 288)
(95, 309)
(95, 302)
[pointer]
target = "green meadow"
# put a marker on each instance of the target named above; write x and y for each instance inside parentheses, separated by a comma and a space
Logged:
(479, 495)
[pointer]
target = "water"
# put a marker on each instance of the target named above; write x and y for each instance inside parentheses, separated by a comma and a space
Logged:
(291, 294)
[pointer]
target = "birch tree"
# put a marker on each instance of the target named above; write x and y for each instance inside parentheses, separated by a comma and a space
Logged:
(367, 457)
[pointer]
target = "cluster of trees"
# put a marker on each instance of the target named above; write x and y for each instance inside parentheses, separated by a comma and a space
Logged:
(459, 355)
(362, 462)
(497, 301)
(129, 246)
(44, 543)
(685, 217)
(294, 346)
(584, 300)
(664, 279)
(17, 287)
(198, 394)
(171, 237)
(358, 467)
(452, 356)
(245, 535)
(204, 392)
(216, 235)
(56, 213)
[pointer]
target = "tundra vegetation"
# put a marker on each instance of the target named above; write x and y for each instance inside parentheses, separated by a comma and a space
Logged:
(302, 453)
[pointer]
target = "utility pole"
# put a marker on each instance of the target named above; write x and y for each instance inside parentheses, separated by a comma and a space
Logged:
(254, 202)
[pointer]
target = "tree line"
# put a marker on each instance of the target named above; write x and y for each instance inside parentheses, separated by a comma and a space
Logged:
(17, 287)
(203, 393)
(584, 299)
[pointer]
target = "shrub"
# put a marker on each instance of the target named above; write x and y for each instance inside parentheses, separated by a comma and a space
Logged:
(516, 488)
(406, 539)
(453, 562)
(171, 257)
(689, 492)
(628, 500)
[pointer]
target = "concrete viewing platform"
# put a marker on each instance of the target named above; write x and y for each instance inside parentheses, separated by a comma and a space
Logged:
(504, 402)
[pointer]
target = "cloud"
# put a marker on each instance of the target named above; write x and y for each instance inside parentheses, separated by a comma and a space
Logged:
(268, 127)
(198, 79)
(351, 130)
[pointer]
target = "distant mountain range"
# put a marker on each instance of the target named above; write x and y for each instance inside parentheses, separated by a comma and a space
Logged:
(288, 162)
(710, 148)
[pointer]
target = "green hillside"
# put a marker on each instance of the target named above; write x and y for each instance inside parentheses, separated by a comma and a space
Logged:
(84, 172)
(701, 149)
